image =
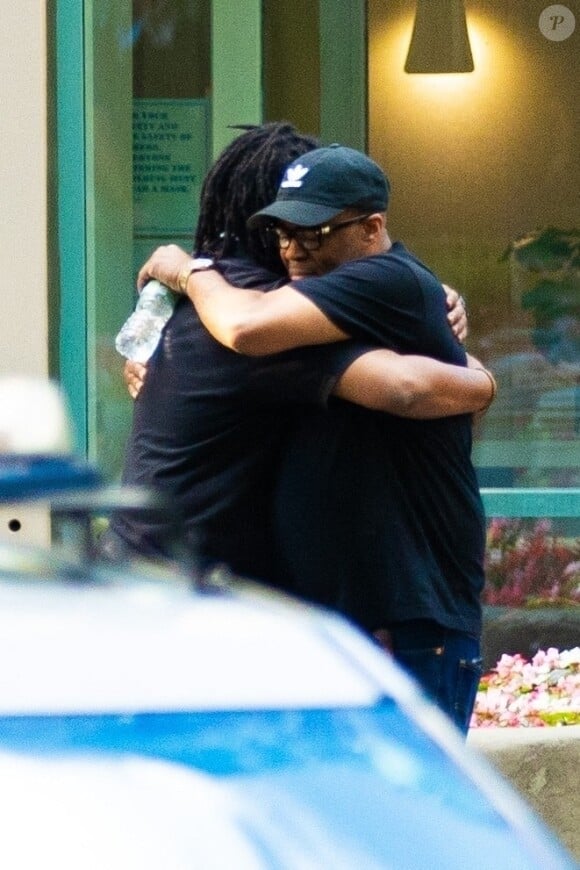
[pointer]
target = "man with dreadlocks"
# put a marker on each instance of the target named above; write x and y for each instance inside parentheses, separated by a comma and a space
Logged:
(209, 424)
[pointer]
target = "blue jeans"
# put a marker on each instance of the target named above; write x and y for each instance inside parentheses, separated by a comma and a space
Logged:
(446, 663)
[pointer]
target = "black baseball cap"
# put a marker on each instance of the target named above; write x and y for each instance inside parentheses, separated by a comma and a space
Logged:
(322, 183)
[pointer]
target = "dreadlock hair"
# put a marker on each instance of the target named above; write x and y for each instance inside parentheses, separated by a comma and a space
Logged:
(244, 179)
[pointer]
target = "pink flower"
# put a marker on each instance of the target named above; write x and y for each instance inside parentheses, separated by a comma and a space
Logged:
(572, 569)
(537, 693)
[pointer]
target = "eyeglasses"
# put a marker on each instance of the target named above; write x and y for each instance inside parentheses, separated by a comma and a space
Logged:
(311, 238)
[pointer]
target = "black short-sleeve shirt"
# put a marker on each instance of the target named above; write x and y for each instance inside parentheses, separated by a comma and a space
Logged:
(403, 530)
(208, 428)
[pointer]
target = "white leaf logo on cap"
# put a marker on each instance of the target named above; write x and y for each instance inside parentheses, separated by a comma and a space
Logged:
(294, 176)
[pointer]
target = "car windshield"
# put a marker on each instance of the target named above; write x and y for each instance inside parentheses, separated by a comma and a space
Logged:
(367, 775)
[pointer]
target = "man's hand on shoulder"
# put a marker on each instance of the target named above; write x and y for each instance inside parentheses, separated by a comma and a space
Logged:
(457, 313)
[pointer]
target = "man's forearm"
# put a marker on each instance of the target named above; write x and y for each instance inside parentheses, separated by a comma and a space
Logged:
(247, 321)
(415, 386)
(444, 390)
(225, 311)
(257, 323)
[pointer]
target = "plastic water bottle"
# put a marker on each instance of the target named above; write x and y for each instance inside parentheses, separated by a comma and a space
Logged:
(140, 334)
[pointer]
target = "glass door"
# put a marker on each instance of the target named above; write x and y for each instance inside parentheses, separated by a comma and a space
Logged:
(133, 138)
(147, 94)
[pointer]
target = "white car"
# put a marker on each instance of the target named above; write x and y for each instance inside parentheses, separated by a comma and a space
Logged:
(146, 723)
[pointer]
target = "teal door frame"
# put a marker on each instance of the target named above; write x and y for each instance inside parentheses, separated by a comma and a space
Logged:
(92, 230)
(93, 140)
(531, 502)
(71, 212)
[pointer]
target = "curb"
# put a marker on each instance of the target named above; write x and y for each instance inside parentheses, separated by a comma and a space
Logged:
(543, 764)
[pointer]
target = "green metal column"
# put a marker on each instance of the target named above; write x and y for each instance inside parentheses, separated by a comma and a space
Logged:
(236, 67)
(343, 72)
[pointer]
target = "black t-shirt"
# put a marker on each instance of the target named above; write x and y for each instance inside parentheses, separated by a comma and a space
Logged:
(403, 530)
(207, 430)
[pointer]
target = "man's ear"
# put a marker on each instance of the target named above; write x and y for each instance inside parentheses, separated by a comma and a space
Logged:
(374, 226)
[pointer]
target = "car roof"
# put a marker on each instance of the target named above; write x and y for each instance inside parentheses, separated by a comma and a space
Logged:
(136, 644)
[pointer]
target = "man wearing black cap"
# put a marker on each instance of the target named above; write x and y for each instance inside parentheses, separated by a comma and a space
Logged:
(404, 508)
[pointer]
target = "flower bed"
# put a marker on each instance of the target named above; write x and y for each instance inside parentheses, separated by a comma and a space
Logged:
(528, 565)
(539, 692)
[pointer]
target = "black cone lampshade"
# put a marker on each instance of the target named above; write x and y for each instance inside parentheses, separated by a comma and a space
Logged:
(440, 41)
